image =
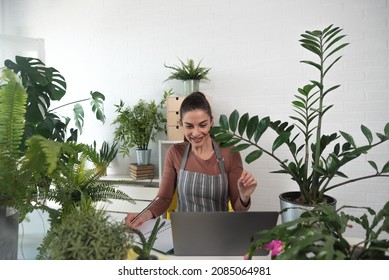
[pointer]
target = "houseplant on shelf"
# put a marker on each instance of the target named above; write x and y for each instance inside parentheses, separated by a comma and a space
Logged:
(103, 157)
(320, 234)
(312, 165)
(137, 126)
(190, 73)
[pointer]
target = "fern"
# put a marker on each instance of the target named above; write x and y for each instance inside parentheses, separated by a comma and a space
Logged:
(13, 100)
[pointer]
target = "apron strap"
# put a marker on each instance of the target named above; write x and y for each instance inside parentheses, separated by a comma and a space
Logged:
(219, 157)
(185, 158)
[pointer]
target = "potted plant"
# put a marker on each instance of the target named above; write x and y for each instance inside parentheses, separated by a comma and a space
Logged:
(31, 139)
(137, 126)
(45, 86)
(319, 234)
(315, 158)
(21, 169)
(102, 158)
(190, 73)
(85, 233)
(146, 245)
(73, 181)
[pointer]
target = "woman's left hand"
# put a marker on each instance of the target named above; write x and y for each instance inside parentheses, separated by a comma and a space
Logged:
(246, 186)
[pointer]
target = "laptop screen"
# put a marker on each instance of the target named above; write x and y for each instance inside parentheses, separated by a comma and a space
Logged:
(218, 233)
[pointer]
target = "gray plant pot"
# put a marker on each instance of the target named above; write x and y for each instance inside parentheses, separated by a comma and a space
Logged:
(9, 233)
(295, 209)
(191, 86)
(143, 157)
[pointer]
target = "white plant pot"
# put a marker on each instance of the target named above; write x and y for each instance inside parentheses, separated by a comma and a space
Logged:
(295, 209)
(191, 86)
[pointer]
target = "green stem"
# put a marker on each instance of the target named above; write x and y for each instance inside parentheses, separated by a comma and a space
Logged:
(67, 104)
(355, 180)
(316, 161)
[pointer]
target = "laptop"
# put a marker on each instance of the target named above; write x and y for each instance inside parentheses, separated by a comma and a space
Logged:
(218, 233)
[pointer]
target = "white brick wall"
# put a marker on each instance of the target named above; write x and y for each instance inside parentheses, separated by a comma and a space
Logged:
(119, 47)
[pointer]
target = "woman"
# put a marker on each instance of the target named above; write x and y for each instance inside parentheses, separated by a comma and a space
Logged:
(206, 175)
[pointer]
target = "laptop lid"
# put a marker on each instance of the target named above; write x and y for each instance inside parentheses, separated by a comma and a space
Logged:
(218, 233)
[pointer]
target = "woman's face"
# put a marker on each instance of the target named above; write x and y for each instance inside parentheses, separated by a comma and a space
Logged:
(196, 126)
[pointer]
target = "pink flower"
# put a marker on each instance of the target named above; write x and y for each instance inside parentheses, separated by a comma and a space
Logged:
(276, 247)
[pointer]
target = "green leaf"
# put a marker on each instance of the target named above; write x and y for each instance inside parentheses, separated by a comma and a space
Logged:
(385, 169)
(223, 137)
(281, 139)
(223, 122)
(234, 117)
(316, 65)
(252, 126)
(367, 132)
(348, 138)
(232, 142)
(373, 164)
(382, 137)
(386, 130)
(13, 99)
(311, 48)
(254, 155)
(241, 147)
(216, 130)
(79, 116)
(243, 124)
(298, 104)
(261, 128)
(97, 103)
(335, 50)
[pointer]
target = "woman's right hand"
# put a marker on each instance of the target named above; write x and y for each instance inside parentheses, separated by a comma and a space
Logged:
(147, 215)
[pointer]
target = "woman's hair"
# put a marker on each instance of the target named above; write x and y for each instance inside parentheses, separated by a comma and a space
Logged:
(195, 101)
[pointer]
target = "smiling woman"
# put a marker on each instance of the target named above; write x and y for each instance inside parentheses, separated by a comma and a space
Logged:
(205, 175)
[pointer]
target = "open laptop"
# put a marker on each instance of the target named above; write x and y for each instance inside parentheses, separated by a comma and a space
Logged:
(218, 233)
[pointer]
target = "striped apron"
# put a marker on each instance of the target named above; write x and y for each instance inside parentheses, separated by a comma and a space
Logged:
(199, 192)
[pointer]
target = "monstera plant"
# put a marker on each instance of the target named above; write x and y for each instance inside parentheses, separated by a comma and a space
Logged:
(45, 86)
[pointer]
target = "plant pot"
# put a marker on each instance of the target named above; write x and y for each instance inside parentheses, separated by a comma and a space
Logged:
(288, 200)
(143, 157)
(191, 86)
(9, 233)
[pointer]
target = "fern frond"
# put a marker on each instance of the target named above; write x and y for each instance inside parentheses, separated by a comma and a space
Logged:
(13, 98)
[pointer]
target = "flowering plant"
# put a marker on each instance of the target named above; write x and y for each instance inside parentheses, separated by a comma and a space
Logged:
(318, 234)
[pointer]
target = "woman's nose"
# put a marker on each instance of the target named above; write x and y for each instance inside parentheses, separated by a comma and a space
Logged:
(196, 130)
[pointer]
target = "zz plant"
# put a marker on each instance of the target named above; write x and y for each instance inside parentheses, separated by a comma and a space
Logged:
(315, 158)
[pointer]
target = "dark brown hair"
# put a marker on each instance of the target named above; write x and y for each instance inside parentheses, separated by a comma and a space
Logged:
(195, 101)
